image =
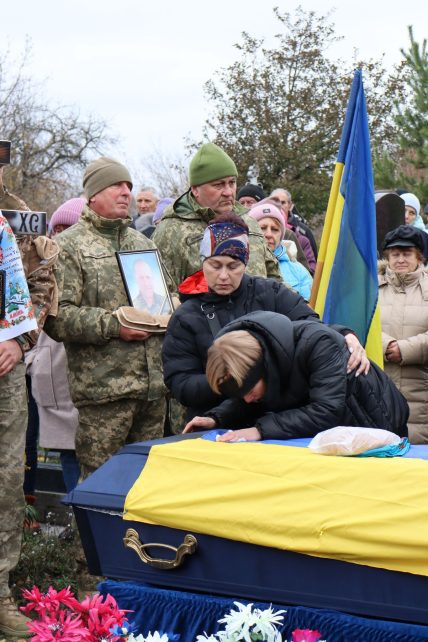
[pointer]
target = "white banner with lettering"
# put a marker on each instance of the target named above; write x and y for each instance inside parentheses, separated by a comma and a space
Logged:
(19, 316)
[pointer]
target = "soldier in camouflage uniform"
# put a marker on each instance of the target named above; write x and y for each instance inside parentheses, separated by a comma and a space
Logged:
(38, 257)
(115, 373)
(212, 176)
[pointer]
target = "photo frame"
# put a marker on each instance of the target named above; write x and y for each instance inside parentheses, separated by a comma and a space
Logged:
(144, 281)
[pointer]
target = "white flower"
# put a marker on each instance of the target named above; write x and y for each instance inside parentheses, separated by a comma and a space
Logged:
(151, 637)
(250, 626)
(206, 638)
(156, 637)
(238, 624)
(266, 622)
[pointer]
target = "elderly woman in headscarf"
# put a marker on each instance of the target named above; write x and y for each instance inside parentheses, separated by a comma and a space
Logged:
(403, 298)
(217, 294)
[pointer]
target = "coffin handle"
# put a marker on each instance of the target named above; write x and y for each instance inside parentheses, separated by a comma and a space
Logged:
(188, 547)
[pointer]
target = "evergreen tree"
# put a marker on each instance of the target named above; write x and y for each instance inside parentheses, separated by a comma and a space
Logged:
(405, 165)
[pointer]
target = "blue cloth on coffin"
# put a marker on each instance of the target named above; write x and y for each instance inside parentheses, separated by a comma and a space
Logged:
(190, 614)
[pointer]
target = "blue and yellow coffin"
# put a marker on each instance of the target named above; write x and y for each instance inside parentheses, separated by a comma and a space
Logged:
(263, 522)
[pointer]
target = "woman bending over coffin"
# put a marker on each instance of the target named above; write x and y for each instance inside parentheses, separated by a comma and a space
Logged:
(288, 379)
(213, 297)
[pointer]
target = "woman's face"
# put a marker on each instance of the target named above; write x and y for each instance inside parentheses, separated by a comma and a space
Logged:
(223, 273)
(256, 393)
(271, 231)
(403, 259)
(409, 215)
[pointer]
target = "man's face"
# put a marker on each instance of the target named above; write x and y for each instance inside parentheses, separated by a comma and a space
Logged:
(284, 199)
(146, 202)
(218, 195)
(144, 278)
(247, 201)
(112, 202)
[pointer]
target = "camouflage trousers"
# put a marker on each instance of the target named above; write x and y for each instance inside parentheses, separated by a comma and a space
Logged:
(177, 416)
(105, 428)
(13, 426)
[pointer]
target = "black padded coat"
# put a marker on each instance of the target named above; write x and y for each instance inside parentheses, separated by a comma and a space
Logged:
(307, 386)
(189, 334)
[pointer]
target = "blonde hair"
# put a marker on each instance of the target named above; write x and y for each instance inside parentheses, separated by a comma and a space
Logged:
(232, 356)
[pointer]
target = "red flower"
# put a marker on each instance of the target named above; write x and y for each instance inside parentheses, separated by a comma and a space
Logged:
(62, 617)
(50, 602)
(65, 628)
(305, 635)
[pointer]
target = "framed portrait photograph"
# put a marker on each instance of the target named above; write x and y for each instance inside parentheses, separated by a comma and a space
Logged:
(144, 281)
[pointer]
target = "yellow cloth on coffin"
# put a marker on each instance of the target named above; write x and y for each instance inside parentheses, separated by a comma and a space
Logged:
(367, 511)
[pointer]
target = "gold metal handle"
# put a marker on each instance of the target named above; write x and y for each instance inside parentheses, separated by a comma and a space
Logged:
(188, 547)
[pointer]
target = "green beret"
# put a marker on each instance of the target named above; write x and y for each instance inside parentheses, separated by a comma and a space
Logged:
(102, 173)
(209, 164)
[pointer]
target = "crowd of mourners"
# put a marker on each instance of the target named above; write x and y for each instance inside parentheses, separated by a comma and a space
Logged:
(225, 277)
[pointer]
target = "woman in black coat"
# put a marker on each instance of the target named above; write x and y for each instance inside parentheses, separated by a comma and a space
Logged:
(218, 294)
(286, 380)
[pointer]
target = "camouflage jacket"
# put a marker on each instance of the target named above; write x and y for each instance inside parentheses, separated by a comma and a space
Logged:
(39, 255)
(180, 231)
(102, 367)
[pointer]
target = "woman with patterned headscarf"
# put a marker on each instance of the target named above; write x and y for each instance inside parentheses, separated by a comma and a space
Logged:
(216, 295)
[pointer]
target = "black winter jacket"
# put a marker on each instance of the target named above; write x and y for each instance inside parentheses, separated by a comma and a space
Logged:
(189, 336)
(307, 387)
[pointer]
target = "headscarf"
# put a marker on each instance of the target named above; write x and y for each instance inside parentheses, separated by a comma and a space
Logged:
(225, 239)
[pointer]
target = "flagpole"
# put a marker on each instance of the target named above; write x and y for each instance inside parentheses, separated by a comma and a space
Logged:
(328, 221)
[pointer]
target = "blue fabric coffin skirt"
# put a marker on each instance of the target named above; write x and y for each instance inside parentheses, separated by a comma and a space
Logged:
(190, 614)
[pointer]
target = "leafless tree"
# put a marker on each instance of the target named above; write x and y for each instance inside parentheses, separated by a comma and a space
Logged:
(51, 144)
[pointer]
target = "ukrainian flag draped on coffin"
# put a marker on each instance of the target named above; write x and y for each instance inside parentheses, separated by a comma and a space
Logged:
(346, 286)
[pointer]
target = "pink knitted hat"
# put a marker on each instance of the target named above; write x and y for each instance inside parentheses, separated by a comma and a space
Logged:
(268, 210)
(67, 214)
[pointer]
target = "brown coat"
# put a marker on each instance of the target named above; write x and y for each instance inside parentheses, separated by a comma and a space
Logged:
(404, 313)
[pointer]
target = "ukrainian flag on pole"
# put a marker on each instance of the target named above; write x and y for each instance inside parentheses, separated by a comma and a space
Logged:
(345, 288)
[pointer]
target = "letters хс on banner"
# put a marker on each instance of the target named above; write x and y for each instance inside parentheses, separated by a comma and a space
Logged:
(25, 222)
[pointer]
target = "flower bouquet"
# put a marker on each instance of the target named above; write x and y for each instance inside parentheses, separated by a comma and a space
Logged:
(60, 616)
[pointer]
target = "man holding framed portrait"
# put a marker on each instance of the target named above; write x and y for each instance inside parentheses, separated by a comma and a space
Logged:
(115, 370)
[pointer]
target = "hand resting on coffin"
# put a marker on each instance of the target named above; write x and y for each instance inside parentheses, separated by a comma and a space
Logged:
(199, 423)
(243, 434)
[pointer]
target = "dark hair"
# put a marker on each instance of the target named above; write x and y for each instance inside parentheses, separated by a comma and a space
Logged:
(231, 217)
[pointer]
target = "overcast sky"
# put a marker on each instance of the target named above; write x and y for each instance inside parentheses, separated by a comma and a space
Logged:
(141, 66)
